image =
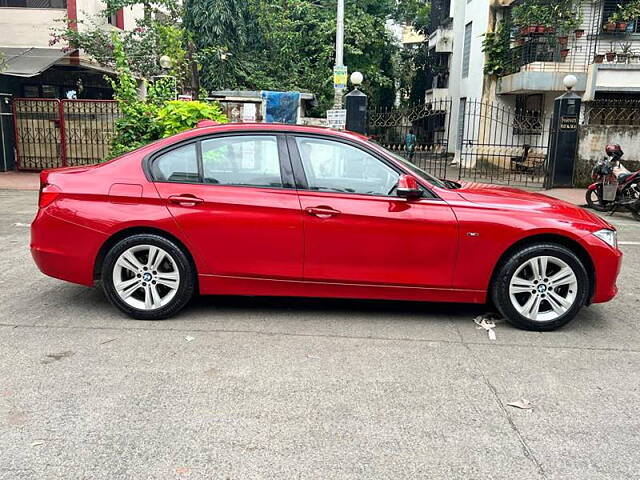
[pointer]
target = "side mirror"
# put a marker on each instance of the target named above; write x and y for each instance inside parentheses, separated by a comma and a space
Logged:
(408, 187)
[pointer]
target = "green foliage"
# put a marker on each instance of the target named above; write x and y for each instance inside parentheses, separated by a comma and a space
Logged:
(627, 12)
(150, 6)
(414, 13)
(563, 15)
(158, 115)
(291, 46)
(124, 85)
(259, 44)
(177, 116)
(135, 128)
(497, 49)
(145, 44)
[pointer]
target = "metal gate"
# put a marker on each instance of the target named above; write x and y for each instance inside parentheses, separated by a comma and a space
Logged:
(429, 123)
(502, 145)
(54, 133)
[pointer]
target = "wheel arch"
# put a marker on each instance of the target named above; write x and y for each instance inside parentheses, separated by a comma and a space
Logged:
(557, 239)
(127, 232)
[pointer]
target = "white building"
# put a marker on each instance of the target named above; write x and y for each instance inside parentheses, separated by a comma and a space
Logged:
(538, 62)
(31, 67)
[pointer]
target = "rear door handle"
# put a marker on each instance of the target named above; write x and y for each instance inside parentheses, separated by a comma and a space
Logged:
(322, 211)
(186, 200)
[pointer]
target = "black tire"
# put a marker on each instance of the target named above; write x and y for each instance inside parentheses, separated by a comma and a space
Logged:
(594, 200)
(179, 260)
(636, 213)
(500, 290)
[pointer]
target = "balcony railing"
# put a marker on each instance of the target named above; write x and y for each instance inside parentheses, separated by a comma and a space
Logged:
(539, 48)
(549, 52)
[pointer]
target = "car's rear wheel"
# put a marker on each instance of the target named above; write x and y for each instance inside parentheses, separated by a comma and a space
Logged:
(148, 277)
(541, 287)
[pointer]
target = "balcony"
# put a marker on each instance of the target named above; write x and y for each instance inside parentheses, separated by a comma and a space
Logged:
(441, 40)
(539, 61)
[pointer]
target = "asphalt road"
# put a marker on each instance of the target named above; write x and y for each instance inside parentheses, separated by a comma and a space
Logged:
(281, 388)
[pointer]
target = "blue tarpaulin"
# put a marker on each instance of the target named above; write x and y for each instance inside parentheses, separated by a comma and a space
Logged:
(282, 107)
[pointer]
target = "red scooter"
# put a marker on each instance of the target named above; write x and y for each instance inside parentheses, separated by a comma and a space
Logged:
(615, 187)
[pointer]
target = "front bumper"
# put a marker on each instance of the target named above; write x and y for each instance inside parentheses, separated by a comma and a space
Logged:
(607, 262)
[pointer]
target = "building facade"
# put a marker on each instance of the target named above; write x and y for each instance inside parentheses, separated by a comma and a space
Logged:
(32, 67)
(605, 59)
(36, 73)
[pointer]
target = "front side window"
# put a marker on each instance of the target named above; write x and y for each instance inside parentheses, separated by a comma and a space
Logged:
(337, 167)
(178, 165)
(242, 160)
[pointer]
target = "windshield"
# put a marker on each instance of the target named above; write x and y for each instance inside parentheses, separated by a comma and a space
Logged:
(414, 168)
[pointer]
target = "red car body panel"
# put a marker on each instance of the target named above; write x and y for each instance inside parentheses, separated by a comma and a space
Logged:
(242, 230)
(262, 241)
(377, 238)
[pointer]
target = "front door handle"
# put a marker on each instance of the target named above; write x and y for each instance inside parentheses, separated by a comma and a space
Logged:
(322, 211)
(185, 200)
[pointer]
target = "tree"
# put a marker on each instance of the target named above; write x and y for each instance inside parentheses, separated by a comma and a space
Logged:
(289, 45)
(417, 65)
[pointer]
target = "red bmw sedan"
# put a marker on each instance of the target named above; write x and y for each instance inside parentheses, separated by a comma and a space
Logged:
(299, 211)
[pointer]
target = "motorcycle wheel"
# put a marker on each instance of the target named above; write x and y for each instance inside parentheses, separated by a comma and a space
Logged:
(595, 201)
(636, 214)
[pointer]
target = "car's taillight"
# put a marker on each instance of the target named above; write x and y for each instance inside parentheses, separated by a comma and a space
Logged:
(48, 194)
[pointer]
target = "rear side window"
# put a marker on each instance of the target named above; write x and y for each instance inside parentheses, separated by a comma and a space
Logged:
(178, 165)
(242, 160)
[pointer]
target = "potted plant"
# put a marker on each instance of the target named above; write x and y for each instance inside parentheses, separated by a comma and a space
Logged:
(531, 17)
(624, 14)
(625, 54)
(610, 55)
(563, 40)
(598, 58)
(564, 53)
(618, 19)
(578, 32)
(609, 26)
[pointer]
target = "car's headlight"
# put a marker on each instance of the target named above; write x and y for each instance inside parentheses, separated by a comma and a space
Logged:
(610, 237)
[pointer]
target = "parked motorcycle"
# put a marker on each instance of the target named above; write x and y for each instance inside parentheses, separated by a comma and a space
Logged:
(615, 187)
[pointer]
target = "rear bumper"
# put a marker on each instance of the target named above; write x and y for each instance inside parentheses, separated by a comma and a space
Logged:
(606, 262)
(64, 250)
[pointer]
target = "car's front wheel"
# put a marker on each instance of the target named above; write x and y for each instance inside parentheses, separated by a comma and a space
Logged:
(148, 277)
(541, 287)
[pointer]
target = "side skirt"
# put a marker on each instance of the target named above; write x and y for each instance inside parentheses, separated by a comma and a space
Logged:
(226, 285)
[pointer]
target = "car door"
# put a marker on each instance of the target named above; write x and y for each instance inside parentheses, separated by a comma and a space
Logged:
(357, 230)
(233, 196)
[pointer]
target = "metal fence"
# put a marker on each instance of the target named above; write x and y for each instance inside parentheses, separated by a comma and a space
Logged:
(420, 133)
(503, 145)
(611, 112)
(54, 133)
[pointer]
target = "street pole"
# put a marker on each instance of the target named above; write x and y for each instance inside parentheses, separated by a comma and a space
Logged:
(339, 49)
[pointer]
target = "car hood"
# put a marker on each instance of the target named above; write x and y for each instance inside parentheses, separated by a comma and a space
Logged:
(508, 198)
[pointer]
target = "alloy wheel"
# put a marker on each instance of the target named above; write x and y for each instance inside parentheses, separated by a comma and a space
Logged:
(543, 288)
(146, 277)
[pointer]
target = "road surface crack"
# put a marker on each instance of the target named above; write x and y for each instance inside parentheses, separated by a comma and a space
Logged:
(526, 450)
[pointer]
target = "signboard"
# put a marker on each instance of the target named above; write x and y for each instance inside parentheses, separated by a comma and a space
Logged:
(249, 113)
(568, 123)
(337, 119)
(340, 77)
